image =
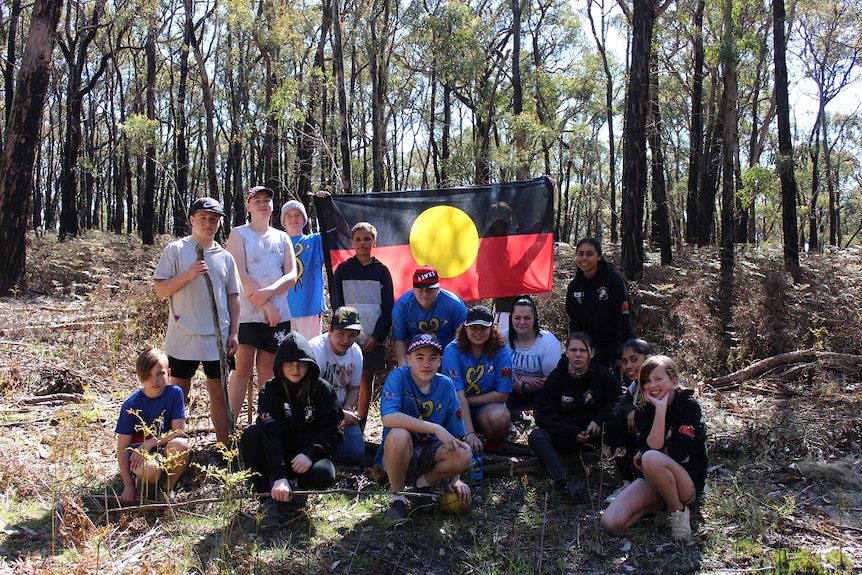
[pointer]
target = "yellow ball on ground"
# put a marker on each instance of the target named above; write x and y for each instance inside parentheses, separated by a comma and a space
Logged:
(450, 503)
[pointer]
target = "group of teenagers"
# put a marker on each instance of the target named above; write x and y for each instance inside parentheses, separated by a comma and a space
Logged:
(464, 376)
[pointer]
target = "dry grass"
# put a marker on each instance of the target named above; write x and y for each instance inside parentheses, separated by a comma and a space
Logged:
(785, 489)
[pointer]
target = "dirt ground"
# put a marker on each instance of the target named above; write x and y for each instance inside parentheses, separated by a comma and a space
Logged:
(785, 438)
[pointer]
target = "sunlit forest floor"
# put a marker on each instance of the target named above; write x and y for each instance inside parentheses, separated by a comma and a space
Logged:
(785, 439)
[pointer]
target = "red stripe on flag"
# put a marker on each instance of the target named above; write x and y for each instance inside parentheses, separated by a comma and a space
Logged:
(504, 266)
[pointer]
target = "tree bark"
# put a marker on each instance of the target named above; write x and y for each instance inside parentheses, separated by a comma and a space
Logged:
(634, 141)
(696, 131)
(343, 125)
(785, 143)
(22, 140)
(660, 218)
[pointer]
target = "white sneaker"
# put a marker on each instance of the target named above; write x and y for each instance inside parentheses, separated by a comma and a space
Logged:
(618, 490)
(680, 524)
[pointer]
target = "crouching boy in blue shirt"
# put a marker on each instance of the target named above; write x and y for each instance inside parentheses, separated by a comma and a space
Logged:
(151, 437)
(422, 425)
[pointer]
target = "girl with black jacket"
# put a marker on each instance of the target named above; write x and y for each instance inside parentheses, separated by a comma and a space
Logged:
(298, 427)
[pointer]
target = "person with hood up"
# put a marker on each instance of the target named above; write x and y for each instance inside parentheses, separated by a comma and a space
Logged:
(298, 428)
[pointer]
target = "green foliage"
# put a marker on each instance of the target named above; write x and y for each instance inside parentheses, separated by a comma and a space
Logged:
(140, 132)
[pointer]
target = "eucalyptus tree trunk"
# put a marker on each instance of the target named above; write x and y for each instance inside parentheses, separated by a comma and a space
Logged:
(695, 156)
(634, 141)
(207, 97)
(181, 151)
(522, 167)
(344, 125)
(22, 141)
(379, 53)
(145, 225)
(785, 143)
(81, 30)
(600, 38)
(660, 219)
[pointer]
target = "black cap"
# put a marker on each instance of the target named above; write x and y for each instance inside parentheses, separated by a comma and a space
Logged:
(206, 205)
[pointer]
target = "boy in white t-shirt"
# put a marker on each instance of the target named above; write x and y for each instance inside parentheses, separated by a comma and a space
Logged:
(340, 361)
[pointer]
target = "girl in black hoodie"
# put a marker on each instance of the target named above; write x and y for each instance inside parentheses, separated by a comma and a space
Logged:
(298, 426)
(571, 410)
(597, 302)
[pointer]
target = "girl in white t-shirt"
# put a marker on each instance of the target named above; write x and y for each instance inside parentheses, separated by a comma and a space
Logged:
(535, 353)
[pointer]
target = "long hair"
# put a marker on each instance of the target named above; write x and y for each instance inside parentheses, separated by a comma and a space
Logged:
(523, 300)
(494, 344)
(295, 390)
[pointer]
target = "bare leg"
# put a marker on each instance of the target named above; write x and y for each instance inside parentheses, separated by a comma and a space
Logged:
(239, 378)
(366, 392)
(396, 457)
(218, 413)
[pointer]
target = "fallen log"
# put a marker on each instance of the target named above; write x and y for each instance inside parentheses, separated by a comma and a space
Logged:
(827, 359)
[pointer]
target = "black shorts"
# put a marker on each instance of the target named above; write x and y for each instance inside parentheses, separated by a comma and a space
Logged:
(261, 336)
(186, 368)
(422, 461)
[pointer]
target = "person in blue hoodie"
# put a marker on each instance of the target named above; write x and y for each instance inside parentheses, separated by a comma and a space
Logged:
(298, 428)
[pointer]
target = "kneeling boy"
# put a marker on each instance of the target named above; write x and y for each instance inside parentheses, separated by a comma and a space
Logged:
(422, 425)
(151, 428)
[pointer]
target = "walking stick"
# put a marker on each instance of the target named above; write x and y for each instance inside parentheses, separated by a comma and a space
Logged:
(219, 341)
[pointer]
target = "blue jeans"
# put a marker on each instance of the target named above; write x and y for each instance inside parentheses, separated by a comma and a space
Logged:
(353, 448)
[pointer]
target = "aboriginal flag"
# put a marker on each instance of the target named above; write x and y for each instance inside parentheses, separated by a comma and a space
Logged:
(486, 241)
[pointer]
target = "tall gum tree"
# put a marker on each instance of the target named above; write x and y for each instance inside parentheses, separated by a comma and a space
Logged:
(22, 140)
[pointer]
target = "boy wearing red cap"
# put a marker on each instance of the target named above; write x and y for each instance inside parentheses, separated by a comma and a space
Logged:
(426, 309)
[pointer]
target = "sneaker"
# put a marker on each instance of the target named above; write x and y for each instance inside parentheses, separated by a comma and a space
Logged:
(662, 518)
(680, 524)
(618, 490)
(270, 514)
(397, 512)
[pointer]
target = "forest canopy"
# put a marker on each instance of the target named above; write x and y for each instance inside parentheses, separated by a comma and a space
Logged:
(150, 104)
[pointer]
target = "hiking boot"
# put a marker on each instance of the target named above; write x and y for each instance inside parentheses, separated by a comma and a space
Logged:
(616, 492)
(680, 524)
(661, 519)
(270, 514)
(397, 512)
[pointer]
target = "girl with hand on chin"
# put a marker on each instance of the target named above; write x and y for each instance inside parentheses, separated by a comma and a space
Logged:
(672, 459)
(576, 401)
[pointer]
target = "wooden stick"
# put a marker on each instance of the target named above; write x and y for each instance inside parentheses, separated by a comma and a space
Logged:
(193, 502)
(219, 340)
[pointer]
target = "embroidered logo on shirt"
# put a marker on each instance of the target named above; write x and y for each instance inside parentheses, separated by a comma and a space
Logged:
(687, 431)
(625, 307)
(588, 398)
(603, 293)
(507, 372)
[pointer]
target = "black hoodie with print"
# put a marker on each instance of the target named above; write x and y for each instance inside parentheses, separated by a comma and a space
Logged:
(292, 425)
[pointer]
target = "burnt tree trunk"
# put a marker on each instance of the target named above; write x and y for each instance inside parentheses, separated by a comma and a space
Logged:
(22, 140)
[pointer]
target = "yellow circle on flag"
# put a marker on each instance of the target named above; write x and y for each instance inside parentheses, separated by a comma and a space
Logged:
(446, 238)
